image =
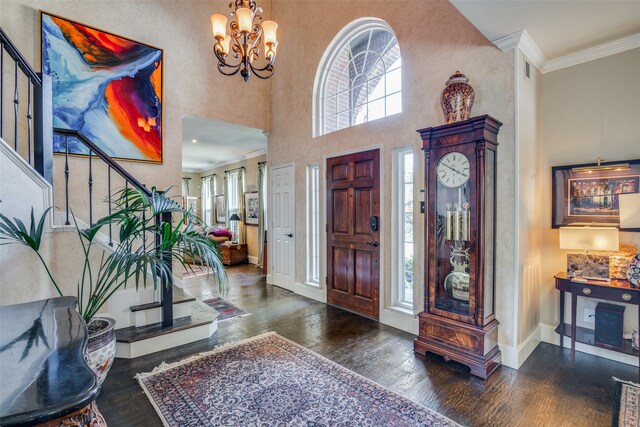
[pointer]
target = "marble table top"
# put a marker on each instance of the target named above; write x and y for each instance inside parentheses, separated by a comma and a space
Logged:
(43, 374)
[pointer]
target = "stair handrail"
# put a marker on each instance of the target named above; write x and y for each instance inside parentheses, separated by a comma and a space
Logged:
(93, 148)
(167, 291)
(36, 150)
(14, 53)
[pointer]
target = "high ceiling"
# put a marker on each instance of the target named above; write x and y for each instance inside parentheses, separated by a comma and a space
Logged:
(558, 27)
(218, 143)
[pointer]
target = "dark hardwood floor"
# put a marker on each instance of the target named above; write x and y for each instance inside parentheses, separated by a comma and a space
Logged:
(545, 391)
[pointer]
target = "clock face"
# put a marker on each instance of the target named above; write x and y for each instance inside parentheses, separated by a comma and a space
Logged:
(453, 169)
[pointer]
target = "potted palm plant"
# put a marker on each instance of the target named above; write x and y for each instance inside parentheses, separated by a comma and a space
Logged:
(143, 253)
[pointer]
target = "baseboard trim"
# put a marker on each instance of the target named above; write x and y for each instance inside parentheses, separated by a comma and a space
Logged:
(550, 336)
(269, 279)
(526, 347)
(396, 319)
(312, 292)
(253, 259)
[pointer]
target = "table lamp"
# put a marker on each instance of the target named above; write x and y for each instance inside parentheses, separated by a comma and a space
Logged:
(235, 218)
(586, 265)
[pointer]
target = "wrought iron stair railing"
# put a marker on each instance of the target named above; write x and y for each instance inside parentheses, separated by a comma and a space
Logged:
(32, 132)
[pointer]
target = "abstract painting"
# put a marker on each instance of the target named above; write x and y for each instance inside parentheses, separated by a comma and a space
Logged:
(107, 87)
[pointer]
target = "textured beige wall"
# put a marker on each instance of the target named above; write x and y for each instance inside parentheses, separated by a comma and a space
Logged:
(435, 41)
(251, 184)
(588, 110)
(192, 84)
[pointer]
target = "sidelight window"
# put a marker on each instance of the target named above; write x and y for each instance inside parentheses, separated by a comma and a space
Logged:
(403, 232)
(313, 225)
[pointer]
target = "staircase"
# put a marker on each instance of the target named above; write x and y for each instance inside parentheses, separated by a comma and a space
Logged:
(81, 187)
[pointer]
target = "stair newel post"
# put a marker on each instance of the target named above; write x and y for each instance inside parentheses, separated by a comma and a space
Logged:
(43, 128)
(16, 106)
(90, 191)
(66, 176)
(167, 288)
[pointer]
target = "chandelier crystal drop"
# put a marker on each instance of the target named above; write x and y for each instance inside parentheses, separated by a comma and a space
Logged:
(239, 49)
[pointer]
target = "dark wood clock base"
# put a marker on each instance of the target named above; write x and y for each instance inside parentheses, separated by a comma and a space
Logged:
(470, 345)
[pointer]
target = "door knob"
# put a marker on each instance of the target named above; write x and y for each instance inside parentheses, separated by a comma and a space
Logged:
(289, 235)
(374, 243)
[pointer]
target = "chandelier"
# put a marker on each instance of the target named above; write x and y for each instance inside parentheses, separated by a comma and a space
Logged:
(238, 49)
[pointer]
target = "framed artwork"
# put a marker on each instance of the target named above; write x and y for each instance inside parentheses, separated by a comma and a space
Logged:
(221, 212)
(584, 196)
(105, 86)
(251, 208)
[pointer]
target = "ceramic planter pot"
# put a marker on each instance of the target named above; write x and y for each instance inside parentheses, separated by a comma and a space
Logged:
(101, 350)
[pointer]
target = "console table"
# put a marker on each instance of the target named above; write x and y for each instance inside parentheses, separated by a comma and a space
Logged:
(45, 379)
(617, 291)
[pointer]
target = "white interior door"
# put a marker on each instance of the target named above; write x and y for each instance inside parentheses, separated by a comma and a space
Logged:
(282, 226)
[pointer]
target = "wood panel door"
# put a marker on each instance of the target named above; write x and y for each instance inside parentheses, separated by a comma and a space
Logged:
(353, 248)
(283, 224)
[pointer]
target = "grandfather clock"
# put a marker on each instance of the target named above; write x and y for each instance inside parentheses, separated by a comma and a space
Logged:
(458, 321)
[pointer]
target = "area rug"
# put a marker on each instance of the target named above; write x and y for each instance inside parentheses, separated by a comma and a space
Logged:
(226, 309)
(627, 405)
(194, 270)
(271, 381)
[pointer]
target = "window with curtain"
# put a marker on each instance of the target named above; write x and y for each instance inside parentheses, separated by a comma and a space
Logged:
(403, 232)
(313, 224)
(360, 77)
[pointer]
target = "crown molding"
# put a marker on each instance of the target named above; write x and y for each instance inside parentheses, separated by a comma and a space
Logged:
(527, 45)
(523, 41)
(591, 54)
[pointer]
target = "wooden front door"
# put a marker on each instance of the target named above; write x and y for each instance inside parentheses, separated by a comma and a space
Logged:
(353, 232)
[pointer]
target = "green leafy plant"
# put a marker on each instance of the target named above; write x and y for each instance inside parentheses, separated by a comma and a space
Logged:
(148, 244)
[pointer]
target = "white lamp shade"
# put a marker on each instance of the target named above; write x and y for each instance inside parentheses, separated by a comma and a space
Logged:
(245, 19)
(629, 210)
(269, 29)
(219, 25)
(589, 238)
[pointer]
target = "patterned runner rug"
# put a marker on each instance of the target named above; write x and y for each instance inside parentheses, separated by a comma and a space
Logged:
(194, 270)
(627, 405)
(267, 381)
(226, 309)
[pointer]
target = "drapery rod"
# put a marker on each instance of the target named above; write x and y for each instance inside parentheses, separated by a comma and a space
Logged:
(207, 176)
(231, 170)
(186, 179)
(262, 163)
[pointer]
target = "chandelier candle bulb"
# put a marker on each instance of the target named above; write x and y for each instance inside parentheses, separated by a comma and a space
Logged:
(224, 44)
(219, 26)
(245, 19)
(269, 29)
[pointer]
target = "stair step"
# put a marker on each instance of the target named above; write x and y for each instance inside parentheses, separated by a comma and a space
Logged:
(179, 297)
(140, 333)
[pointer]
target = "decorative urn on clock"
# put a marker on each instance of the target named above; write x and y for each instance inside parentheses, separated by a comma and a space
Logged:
(457, 98)
(458, 321)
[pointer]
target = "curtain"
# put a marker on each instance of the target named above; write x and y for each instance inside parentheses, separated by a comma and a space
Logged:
(203, 198)
(227, 208)
(185, 192)
(261, 218)
(241, 191)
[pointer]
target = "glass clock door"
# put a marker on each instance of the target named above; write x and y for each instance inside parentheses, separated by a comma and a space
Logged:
(453, 233)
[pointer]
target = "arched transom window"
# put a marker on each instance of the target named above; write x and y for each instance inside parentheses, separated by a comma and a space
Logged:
(359, 78)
